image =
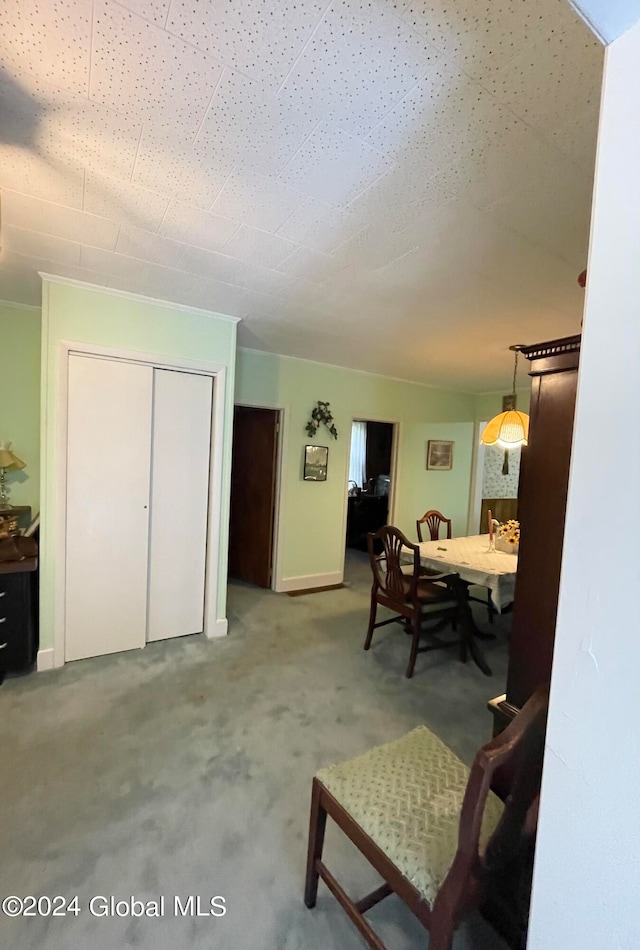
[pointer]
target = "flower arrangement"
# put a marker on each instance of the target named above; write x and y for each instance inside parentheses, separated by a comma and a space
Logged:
(321, 415)
(508, 536)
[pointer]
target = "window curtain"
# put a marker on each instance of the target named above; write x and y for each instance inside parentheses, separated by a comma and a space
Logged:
(358, 459)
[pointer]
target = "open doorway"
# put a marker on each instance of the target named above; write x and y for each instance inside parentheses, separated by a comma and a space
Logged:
(371, 473)
(254, 477)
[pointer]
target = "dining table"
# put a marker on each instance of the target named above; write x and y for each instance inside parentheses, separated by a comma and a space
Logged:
(476, 562)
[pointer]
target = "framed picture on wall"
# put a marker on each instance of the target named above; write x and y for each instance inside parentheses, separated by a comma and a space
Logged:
(315, 463)
(440, 455)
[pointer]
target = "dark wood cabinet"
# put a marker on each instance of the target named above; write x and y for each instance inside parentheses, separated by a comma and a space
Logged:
(542, 497)
(18, 615)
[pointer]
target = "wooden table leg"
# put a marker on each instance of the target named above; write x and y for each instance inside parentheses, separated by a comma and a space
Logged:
(470, 630)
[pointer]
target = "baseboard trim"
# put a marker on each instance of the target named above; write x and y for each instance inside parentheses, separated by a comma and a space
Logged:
(308, 581)
(45, 660)
(219, 628)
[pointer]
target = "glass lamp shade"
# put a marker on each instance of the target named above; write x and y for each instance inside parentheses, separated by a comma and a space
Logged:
(508, 430)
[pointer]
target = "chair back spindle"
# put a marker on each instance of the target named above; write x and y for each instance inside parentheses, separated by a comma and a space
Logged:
(393, 581)
(433, 519)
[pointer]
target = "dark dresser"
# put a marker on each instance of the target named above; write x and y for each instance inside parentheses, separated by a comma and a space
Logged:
(18, 615)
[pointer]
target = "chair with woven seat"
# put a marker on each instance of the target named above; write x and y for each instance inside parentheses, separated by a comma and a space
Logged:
(431, 827)
(433, 519)
(412, 597)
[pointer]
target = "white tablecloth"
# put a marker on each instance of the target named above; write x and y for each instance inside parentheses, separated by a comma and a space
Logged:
(472, 560)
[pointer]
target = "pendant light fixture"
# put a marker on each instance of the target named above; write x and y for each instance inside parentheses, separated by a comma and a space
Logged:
(510, 428)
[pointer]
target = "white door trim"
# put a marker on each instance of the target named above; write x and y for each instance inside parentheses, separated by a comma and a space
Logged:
(278, 507)
(214, 626)
(393, 474)
(477, 477)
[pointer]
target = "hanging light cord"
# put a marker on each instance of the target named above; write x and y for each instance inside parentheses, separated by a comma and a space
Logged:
(515, 371)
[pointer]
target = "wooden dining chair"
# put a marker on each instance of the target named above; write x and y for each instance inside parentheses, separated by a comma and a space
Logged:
(432, 828)
(411, 596)
(433, 519)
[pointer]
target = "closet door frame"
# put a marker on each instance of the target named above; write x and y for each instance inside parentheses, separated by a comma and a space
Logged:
(214, 626)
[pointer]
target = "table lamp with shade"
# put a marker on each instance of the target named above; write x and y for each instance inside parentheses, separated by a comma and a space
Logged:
(9, 461)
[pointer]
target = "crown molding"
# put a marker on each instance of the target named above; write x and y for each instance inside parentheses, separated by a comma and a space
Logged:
(19, 306)
(129, 295)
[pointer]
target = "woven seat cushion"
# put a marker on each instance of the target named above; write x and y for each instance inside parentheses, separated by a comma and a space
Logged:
(407, 796)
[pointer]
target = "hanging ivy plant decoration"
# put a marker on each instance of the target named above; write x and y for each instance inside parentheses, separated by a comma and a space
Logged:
(321, 415)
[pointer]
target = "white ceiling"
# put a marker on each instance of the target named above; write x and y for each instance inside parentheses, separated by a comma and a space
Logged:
(608, 18)
(401, 187)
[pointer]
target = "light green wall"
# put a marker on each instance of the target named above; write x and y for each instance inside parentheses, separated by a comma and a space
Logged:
(85, 315)
(20, 398)
(312, 513)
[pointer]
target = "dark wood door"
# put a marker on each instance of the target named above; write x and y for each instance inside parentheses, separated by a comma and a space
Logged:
(253, 491)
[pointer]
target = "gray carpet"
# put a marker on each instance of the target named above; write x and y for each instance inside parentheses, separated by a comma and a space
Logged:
(185, 769)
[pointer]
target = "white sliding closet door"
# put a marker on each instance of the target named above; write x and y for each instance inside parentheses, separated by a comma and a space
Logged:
(179, 502)
(108, 465)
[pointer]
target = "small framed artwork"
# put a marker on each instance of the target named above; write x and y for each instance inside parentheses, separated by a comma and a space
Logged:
(440, 455)
(315, 463)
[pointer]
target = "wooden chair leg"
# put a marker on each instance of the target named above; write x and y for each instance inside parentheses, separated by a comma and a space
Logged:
(317, 826)
(440, 935)
(414, 645)
(372, 620)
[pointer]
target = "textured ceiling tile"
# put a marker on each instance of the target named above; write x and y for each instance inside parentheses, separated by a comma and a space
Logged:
(172, 167)
(443, 115)
(194, 226)
(483, 177)
(35, 244)
(68, 223)
(50, 39)
(400, 198)
(334, 166)
(360, 61)
(120, 200)
(222, 298)
(108, 264)
(258, 247)
(35, 175)
(76, 129)
(252, 199)
(229, 270)
(140, 70)
(559, 219)
(373, 247)
(262, 39)
(480, 36)
(134, 242)
(311, 265)
(578, 137)
(154, 10)
(165, 283)
(319, 225)
(252, 126)
(543, 83)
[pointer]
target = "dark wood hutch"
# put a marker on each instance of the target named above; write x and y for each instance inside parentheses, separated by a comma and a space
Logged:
(542, 497)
